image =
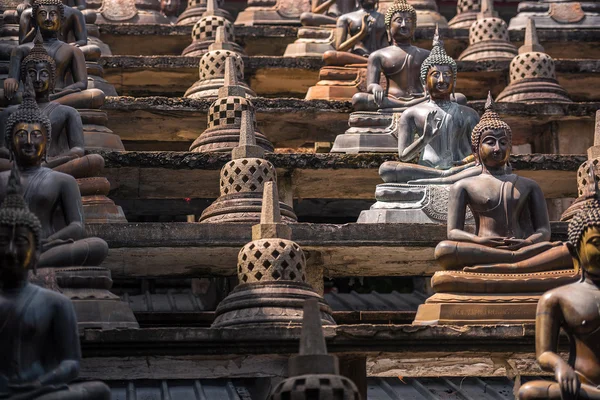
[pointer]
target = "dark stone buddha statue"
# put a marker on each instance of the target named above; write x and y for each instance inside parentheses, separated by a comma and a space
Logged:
(574, 309)
(39, 341)
(326, 12)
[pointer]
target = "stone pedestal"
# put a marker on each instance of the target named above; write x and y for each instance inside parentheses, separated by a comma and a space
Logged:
(410, 204)
(557, 15)
(273, 12)
(466, 298)
(96, 133)
(144, 12)
(369, 132)
(312, 42)
(196, 8)
(339, 83)
(89, 289)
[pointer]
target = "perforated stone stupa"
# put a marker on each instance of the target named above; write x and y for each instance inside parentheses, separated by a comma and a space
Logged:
(466, 14)
(532, 75)
(272, 275)
(212, 68)
(196, 9)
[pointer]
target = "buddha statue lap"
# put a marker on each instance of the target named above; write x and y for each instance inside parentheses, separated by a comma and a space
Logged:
(66, 152)
(572, 308)
(272, 12)
(549, 14)
(71, 83)
(497, 273)
(371, 125)
(357, 35)
(39, 365)
(317, 34)
(69, 260)
(418, 193)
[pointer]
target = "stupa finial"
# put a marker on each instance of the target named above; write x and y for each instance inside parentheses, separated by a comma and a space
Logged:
(247, 147)
(532, 42)
(270, 217)
(312, 340)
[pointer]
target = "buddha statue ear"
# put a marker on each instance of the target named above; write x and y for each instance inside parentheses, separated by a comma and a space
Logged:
(575, 255)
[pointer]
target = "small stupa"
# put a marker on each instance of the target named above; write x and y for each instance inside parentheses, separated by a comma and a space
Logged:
(196, 9)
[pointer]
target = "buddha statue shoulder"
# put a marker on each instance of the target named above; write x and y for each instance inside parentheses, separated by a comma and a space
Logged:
(443, 125)
(66, 151)
(512, 228)
(358, 34)
(39, 341)
(71, 72)
(326, 12)
(53, 196)
(572, 308)
(400, 63)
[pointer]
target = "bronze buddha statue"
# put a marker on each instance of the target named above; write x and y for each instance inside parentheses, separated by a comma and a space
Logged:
(358, 34)
(39, 341)
(71, 72)
(326, 12)
(572, 308)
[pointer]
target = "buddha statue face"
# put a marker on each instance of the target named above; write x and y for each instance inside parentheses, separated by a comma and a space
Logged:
(494, 148)
(440, 81)
(589, 251)
(30, 140)
(18, 252)
(40, 74)
(402, 26)
(48, 18)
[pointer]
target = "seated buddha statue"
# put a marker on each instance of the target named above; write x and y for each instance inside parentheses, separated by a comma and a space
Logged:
(572, 308)
(326, 12)
(443, 124)
(52, 196)
(512, 233)
(358, 34)
(66, 151)
(39, 341)
(400, 63)
(73, 28)
(71, 72)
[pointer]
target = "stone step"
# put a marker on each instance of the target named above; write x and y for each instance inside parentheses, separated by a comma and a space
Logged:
(273, 76)
(172, 124)
(178, 250)
(134, 39)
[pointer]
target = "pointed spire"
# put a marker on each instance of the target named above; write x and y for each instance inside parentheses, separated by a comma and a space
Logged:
(220, 35)
(221, 42)
(211, 6)
(270, 217)
(247, 147)
(489, 104)
(531, 39)
(312, 340)
(230, 73)
(231, 85)
(436, 37)
(487, 9)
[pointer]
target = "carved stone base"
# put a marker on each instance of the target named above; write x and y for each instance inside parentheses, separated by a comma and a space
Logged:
(244, 207)
(97, 135)
(339, 83)
(463, 20)
(99, 209)
(88, 288)
(199, 48)
(142, 17)
(489, 50)
(210, 88)
(557, 15)
(270, 12)
(219, 139)
(403, 203)
(273, 303)
(534, 90)
(311, 42)
(369, 132)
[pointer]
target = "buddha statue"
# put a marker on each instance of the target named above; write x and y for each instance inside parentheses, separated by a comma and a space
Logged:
(496, 273)
(357, 35)
(371, 125)
(318, 32)
(572, 308)
(69, 260)
(40, 364)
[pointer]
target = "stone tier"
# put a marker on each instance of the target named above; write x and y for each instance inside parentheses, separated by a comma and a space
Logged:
(273, 40)
(160, 123)
(273, 76)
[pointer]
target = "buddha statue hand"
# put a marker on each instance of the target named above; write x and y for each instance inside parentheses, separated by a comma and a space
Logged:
(62, 93)
(378, 93)
(11, 85)
(429, 130)
(47, 244)
(568, 381)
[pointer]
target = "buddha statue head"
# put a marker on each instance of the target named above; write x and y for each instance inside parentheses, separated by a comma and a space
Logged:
(584, 232)
(401, 22)
(169, 7)
(39, 67)
(491, 139)
(48, 15)
(20, 235)
(438, 71)
(28, 131)
(368, 4)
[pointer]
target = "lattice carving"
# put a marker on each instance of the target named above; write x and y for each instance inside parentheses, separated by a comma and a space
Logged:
(271, 259)
(583, 175)
(464, 6)
(246, 175)
(532, 65)
(316, 387)
(212, 64)
(488, 29)
(227, 111)
(206, 29)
